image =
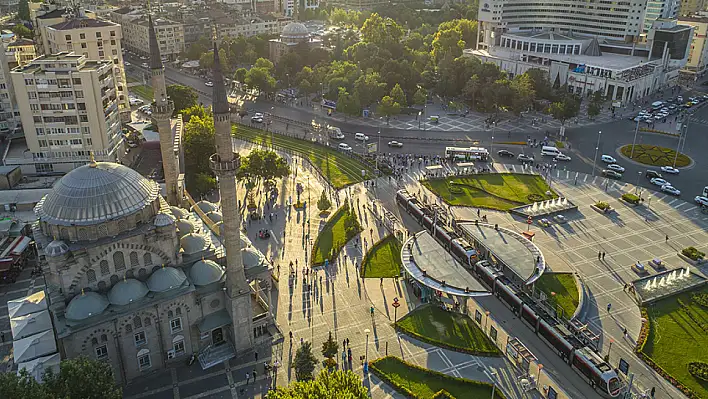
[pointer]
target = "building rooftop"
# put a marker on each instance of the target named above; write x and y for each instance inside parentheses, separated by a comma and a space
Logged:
(21, 42)
(81, 23)
(124, 10)
(58, 13)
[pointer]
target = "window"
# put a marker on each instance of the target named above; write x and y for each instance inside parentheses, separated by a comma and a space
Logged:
(29, 82)
(91, 276)
(176, 325)
(478, 316)
(140, 338)
(40, 131)
(85, 130)
(101, 352)
(178, 346)
(493, 334)
(83, 118)
(98, 34)
(82, 36)
(83, 45)
(68, 37)
(104, 267)
(147, 259)
(81, 106)
(113, 33)
(34, 107)
(77, 81)
(134, 259)
(32, 95)
(118, 260)
(79, 93)
(88, 142)
(42, 143)
(113, 42)
(144, 361)
(100, 53)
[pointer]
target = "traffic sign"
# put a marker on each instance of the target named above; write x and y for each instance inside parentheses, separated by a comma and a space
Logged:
(396, 304)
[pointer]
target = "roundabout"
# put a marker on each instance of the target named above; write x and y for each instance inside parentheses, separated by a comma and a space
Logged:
(654, 155)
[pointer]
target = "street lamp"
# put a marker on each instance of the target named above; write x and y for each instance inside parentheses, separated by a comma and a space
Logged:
(366, 355)
(491, 146)
(610, 348)
(597, 147)
(636, 186)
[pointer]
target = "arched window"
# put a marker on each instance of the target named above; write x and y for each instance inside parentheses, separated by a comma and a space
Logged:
(83, 235)
(91, 276)
(129, 273)
(103, 230)
(118, 260)
(137, 322)
(102, 286)
(178, 311)
(104, 338)
(94, 341)
(170, 314)
(147, 259)
(147, 321)
(64, 234)
(134, 262)
(142, 273)
(104, 267)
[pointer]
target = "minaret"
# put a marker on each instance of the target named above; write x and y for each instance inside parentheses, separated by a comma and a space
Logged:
(162, 109)
(225, 163)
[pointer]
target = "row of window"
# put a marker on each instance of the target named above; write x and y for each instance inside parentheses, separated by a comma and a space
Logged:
(82, 36)
(33, 95)
(46, 143)
(60, 130)
(69, 120)
(59, 82)
(118, 260)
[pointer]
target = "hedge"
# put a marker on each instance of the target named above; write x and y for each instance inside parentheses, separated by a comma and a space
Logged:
(602, 205)
(631, 198)
(692, 253)
(699, 370)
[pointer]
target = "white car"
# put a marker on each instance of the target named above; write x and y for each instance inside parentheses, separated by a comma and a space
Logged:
(701, 200)
(670, 170)
(344, 147)
(395, 143)
(659, 182)
(144, 65)
(135, 101)
(668, 188)
(615, 167)
(126, 63)
(361, 137)
(562, 157)
(209, 84)
(608, 159)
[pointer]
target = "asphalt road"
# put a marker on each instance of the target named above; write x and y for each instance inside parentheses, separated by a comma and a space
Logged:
(584, 140)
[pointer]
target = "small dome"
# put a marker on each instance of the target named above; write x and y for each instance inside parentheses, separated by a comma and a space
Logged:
(205, 272)
(185, 226)
(295, 30)
(165, 279)
(193, 243)
(206, 206)
(179, 213)
(164, 219)
(86, 305)
(56, 248)
(252, 257)
(127, 291)
(214, 216)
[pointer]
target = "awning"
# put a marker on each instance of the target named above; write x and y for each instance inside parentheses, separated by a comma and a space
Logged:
(24, 326)
(38, 367)
(29, 304)
(34, 346)
(21, 246)
(214, 320)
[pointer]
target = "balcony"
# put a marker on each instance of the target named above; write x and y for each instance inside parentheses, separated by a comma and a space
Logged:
(225, 167)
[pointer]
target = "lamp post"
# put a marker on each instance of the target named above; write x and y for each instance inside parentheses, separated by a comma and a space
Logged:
(610, 349)
(366, 354)
(636, 186)
(634, 141)
(491, 147)
(597, 147)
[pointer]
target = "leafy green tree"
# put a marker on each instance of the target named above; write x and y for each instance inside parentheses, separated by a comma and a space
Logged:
(369, 88)
(593, 109)
(337, 384)
(198, 147)
(471, 90)
(82, 378)
(384, 32)
(323, 204)
(201, 183)
(264, 63)
(523, 93)
(565, 109)
(264, 165)
(261, 79)
(305, 88)
(447, 42)
(346, 103)
(398, 95)
(240, 75)
(541, 84)
(206, 61)
(198, 110)
(466, 27)
(22, 386)
(304, 362)
(330, 348)
(183, 96)
(420, 96)
(23, 12)
(388, 107)
(22, 31)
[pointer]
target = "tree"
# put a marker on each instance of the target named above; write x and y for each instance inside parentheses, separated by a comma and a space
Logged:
(369, 88)
(261, 79)
(206, 61)
(304, 88)
(330, 348)
(263, 165)
(337, 384)
(304, 363)
(447, 42)
(420, 97)
(565, 109)
(183, 96)
(398, 95)
(323, 204)
(541, 84)
(240, 75)
(265, 63)
(198, 147)
(522, 92)
(195, 110)
(346, 103)
(593, 109)
(23, 12)
(22, 31)
(388, 107)
(77, 378)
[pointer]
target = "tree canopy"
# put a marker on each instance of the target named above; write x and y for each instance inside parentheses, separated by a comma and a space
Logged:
(304, 362)
(23, 12)
(198, 147)
(183, 96)
(337, 384)
(263, 165)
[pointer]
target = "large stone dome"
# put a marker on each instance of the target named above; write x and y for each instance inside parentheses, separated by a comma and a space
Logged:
(295, 30)
(127, 291)
(96, 193)
(205, 272)
(86, 305)
(165, 279)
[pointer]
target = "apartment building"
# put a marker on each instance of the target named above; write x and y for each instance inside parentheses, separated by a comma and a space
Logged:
(698, 52)
(22, 51)
(69, 109)
(47, 16)
(96, 39)
(660, 9)
(9, 115)
(170, 36)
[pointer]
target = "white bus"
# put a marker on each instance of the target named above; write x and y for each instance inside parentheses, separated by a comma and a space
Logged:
(467, 153)
(547, 150)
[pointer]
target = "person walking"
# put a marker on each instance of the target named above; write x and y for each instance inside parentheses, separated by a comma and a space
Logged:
(599, 255)
(603, 255)
(609, 307)
(248, 376)
(667, 238)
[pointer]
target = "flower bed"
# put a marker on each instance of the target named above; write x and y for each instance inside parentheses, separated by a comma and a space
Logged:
(699, 370)
(602, 207)
(693, 254)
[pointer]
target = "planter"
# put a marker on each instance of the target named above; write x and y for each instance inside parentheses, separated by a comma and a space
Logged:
(627, 203)
(608, 210)
(691, 261)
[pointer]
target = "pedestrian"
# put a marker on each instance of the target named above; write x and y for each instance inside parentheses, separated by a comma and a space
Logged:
(599, 255)
(302, 341)
(291, 336)
(609, 306)
(247, 377)
(344, 344)
(625, 332)
(603, 255)
(256, 353)
(667, 238)
(624, 288)
(347, 341)
(381, 283)
(254, 375)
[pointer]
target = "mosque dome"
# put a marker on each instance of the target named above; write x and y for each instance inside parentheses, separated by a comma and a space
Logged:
(56, 248)
(214, 216)
(193, 243)
(185, 226)
(179, 213)
(127, 291)
(205, 272)
(85, 305)
(206, 206)
(165, 279)
(164, 219)
(96, 193)
(252, 257)
(295, 30)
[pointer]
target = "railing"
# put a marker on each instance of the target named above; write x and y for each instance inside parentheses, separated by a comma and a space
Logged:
(207, 221)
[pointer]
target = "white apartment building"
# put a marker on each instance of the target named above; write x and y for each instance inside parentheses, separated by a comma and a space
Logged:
(170, 36)
(697, 63)
(96, 39)
(9, 115)
(69, 109)
(660, 9)
(251, 26)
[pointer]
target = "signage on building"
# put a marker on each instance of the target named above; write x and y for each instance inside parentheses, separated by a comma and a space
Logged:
(485, 7)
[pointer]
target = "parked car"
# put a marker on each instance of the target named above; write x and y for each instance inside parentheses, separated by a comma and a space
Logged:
(657, 181)
(395, 143)
(505, 153)
(144, 65)
(562, 157)
(668, 188)
(344, 147)
(650, 174)
(670, 170)
(615, 167)
(701, 200)
(209, 84)
(257, 117)
(361, 136)
(608, 159)
(611, 174)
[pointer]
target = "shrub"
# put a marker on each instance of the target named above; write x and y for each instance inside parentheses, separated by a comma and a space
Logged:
(699, 370)
(692, 253)
(535, 197)
(323, 203)
(602, 205)
(631, 198)
(701, 299)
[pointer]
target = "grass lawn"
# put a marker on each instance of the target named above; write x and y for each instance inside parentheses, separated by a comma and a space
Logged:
(450, 330)
(333, 237)
(563, 284)
(500, 191)
(383, 259)
(424, 384)
(143, 91)
(340, 169)
(653, 155)
(675, 339)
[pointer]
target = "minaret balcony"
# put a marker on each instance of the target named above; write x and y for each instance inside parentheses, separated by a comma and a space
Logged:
(163, 107)
(225, 167)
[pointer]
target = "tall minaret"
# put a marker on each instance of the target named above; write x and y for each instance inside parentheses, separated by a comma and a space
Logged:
(162, 109)
(225, 163)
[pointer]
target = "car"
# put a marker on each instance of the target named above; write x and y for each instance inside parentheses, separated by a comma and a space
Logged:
(524, 158)
(209, 84)
(562, 157)
(615, 167)
(608, 159)
(344, 147)
(701, 200)
(611, 174)
(135, 101)
(395, 143)
(132, 144)
(668, 188)
(144, 65)
(256, 119)
(505, 153)
(670, 170)
(560, 219)
(126, 63)
(544, 222)
(361, 137)
(650, 174)
(657, 181)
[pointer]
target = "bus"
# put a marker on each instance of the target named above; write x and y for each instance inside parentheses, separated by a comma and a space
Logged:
(467, 153)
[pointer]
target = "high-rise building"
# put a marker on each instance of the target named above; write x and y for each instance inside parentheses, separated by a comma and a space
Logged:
(96, 39)
(170, 36)
(660, 9)
(698, 52)
(9, 114)
(69, 109)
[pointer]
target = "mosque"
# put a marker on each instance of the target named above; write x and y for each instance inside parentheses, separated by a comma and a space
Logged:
(134, 279)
